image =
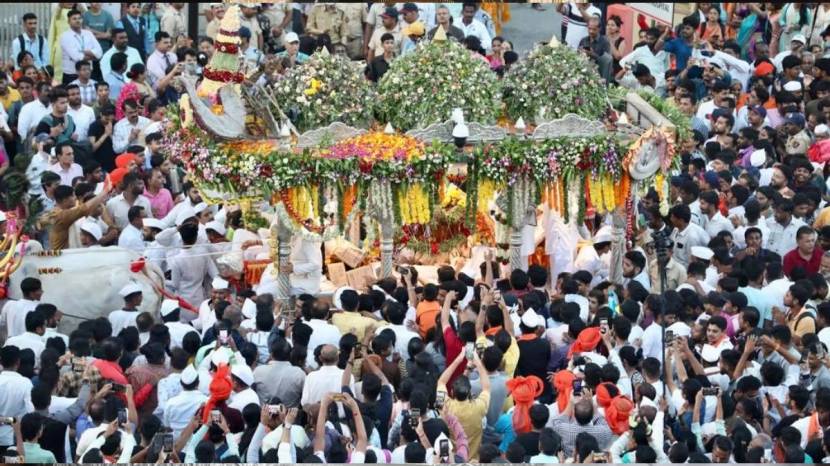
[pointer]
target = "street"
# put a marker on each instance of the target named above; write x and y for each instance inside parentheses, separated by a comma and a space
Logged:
(528, 26)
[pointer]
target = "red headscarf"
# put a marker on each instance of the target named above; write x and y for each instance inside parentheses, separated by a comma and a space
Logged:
(563, 382)
(617, 413)
(587, 340)
(124, 159)
(220, 390)
(524, 391)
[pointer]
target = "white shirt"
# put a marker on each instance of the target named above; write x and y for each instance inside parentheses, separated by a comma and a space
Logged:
(133, 57)
(190, 271)
(322, 381)
(584, 305)
(478, 29)
(118, 208)
(716, 224)
(121, 319)
(782, 238)
(167, 388)
(52, 333)
(323, 333)
(73, 45)
(653, 342)
(240, 400)
(131, 238)
(684, 240)
(587, 259)
(426, 14)
(14, 316)
(657, 63)
(68, 175)
(577, 30)
(28, 340)
(644, 279)
(121, 133)
(739, 235)
(206, 317)
(177, 332)
(15, 401)
(180, 409)
(402, 337)
(30, 116)
(157, 65)
(83, 117)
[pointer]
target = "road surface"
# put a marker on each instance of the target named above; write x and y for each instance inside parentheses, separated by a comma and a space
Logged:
(528, 26)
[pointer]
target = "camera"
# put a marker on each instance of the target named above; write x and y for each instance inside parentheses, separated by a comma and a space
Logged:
(662, 243)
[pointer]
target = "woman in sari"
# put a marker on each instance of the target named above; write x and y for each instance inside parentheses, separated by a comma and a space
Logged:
(757, 25)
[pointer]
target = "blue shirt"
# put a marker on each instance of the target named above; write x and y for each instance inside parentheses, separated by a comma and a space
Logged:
(33, 47)
(681, 50)
(116, 82)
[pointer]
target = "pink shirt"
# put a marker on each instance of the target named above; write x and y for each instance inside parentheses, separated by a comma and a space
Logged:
(161, 203)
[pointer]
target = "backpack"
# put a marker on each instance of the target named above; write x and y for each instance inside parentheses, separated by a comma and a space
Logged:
(39, 45)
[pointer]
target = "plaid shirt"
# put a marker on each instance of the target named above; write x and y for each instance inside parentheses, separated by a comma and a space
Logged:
(568, 429)
(69, 383)
(87, 91)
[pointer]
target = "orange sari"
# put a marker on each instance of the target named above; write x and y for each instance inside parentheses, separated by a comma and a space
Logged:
(499, 12)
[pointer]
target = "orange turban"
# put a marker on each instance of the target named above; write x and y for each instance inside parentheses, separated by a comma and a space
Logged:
(524, 391)
(603, 395)
(764, 69)
(563, 382)
(117, 175)
(587, 340)
(124, 159)
(221, 388)
(617, 413)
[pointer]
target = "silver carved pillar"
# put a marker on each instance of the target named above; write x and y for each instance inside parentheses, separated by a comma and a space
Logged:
(617, 245)
(283, 237)
(386, 249)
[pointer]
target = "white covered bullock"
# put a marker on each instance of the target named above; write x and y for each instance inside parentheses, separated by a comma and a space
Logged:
(86, 287)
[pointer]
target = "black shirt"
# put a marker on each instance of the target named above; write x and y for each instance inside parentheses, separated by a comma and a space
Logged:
(377, 69)
(105, 155)
(530, 442)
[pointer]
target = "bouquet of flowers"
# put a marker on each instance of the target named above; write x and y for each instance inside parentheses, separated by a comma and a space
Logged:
(325, 89)
(421, 87)
(553, 81)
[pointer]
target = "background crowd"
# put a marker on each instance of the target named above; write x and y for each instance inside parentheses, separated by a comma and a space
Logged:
(713, 348)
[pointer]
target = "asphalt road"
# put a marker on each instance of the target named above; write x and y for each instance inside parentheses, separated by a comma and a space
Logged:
(528, 26)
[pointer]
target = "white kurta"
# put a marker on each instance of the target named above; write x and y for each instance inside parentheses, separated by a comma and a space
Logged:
(560, 243)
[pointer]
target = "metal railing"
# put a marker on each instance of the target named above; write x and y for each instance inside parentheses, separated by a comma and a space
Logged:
(11, 23)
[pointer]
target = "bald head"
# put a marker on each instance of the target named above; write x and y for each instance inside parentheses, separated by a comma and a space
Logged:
(328, 355)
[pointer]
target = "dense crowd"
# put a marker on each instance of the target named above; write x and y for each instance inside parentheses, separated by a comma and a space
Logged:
(712, 348)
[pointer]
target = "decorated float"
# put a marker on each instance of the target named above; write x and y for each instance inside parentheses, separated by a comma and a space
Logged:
(439, 157)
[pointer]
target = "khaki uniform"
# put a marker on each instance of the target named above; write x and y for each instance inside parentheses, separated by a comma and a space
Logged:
(328, 20)
(173, 23)
(375, 44)
(276, 13)
(675, 275)
(355, 17)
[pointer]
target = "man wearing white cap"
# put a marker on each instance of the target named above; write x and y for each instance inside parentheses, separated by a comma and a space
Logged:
(170, 315)
(704, 255)
(154, 252)
(292, 50)
(534, 352)
(243, 394)
(180, 409)
(123, 318)
(220, 291)
(588, 258)
(132, 236)
(90, 234)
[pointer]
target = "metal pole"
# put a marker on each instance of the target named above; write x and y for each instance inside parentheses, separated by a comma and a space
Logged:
(193, 21)
(283, 278)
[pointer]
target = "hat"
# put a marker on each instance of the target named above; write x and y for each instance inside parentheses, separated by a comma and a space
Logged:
(249, 308)
(563, 383)
(715, 299)
(799, 38)
(117, 175)
(587, 340)
(291, 37)
(219, 356)
(617, 413)
(90, 227)
(822, 130)
(200, 207)
(168, 306)
(189, 375)
(758, 158)
(390, 12)
(129, 288)
(531, 319)
(795, 118)
(603, 235)
(702, 252)
(409, 7)
(792, 86)
(243, 373)
(737, 299)
(42, 137)
(215, 226)
(415, 29)
(759, 109)
(154, 223)
(710, 353)
(244, 32)
(185, 213)
(219, 283)
(124, 159)
(335, 299)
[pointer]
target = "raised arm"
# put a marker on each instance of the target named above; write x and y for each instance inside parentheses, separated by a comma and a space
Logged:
(482, 373)
(362, 437)
(445, 309)
(450, 370)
